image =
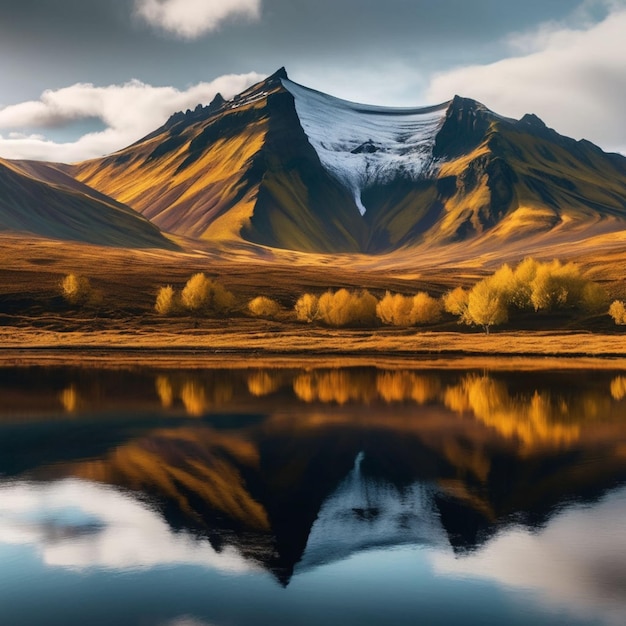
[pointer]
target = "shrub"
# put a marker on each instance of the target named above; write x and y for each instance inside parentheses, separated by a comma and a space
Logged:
(345, 308)
(263, 307)
(76, 289)
(455, 302)
(394, 309)
(556, 286)
(166, 301)
(398, 310)
(617, 311)
(196, 295)
(307, 308)
(334, 307)
(364, 308)
(425, 309)
(203, 295)
(224, 301)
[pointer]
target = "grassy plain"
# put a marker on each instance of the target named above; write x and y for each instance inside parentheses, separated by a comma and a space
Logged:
(36, 321)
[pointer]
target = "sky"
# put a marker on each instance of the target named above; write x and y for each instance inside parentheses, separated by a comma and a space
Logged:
(83, 78)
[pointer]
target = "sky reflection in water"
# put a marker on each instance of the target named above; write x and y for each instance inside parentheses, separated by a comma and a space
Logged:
(328, 496)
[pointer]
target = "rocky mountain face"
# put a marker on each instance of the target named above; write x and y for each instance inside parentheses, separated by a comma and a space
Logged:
(241, 169)
(285, 166)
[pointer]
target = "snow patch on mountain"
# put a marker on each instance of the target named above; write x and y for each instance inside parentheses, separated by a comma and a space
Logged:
(365, 514)
(362, 145)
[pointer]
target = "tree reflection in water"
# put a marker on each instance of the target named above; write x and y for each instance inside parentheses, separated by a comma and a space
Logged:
(513, 477)
(198, 394)
(618, 387)
(250, 457)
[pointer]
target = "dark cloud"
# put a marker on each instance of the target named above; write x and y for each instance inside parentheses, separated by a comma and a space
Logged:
(53, 44)
(397, 52)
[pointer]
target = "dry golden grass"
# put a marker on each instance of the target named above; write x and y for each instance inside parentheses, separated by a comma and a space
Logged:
(251, 337)
(34, 318)
(32, 268)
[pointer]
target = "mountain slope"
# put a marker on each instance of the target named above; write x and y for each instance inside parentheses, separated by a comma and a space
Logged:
(206, 174)
(516, 178)
(40, 199)
(285, 166)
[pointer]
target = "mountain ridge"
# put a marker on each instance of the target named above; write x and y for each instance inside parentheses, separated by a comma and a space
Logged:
(284, 166)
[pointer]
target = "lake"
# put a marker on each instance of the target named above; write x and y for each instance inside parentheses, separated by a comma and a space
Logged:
(346, 496)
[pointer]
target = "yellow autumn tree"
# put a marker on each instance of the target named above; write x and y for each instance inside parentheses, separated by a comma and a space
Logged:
(263, 307)
(307, 308)
(76, 289)
(594, 298)
(394, 309)
(398, 310)
(617, 311)
(204, 295)
(455, 302)
(487, 305)
(166, 303)
(364, 308)
(504, 282)
(556, 286)
(345, 308)
(532, 284)
(425, 309)
(523, 277)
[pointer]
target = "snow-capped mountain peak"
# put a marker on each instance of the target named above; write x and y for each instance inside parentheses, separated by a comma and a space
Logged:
(362, 145)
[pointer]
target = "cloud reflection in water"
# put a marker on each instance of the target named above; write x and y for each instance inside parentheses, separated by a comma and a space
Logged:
(79, 525)
(578, 561)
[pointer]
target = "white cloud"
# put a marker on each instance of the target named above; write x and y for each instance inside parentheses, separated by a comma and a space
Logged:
(191, 19)
(577, 562)
(26, 136)
(574, 78)
(129, 112)
(80, 525)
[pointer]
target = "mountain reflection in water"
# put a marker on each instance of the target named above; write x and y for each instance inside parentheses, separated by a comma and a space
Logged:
(290, 470)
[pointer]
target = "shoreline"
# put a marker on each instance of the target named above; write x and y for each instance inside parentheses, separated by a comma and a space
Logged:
(312, 348)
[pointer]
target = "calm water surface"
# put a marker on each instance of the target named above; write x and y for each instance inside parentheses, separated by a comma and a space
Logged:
(333, 496)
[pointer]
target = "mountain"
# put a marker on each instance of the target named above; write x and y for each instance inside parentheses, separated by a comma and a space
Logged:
(286, 166)
(40, 199)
